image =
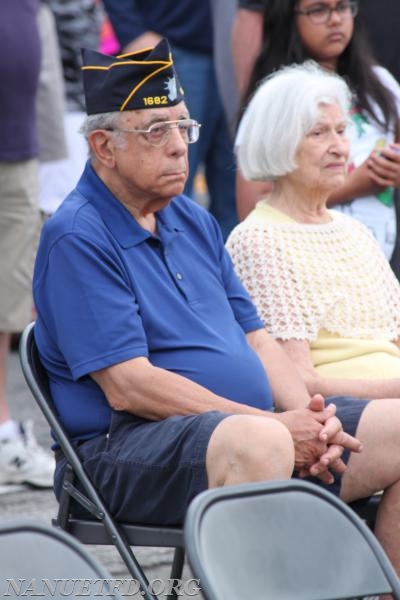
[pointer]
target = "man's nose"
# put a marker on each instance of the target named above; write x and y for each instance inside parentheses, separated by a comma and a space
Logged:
(176, 142)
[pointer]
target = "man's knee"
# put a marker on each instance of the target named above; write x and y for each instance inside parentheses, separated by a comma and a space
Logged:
(246, 448)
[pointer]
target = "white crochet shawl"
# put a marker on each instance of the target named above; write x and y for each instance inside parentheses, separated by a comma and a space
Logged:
(305, 277)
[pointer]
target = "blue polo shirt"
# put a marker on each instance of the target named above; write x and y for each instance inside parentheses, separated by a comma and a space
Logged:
(107, 290)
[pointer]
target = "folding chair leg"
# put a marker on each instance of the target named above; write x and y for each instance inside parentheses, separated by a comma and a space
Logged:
(128, 557)
(177, 567)
(64, 502)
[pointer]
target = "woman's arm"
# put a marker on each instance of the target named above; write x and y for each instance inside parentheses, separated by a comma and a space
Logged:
(379, 171)
(300, 354)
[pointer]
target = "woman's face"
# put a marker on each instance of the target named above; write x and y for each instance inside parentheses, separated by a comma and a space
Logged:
(325, 42)
(322, 154)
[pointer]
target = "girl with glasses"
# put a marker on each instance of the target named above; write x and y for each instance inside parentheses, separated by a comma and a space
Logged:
(331, 33)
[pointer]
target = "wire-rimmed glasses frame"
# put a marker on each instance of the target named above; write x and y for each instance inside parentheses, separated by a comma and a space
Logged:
(158, 134)
(321, 13)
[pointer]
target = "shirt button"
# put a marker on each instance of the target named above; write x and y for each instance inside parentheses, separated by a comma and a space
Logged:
(179, 276)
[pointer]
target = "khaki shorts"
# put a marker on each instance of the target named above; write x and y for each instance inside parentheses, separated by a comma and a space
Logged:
(19, 230)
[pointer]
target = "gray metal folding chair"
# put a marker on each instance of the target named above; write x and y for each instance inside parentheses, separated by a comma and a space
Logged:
(283, 540)
(38, 560)
(99, 527)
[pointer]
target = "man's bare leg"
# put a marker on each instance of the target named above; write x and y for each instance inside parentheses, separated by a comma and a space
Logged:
(244, 448)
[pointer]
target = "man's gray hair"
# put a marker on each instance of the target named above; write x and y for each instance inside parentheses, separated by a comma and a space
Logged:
(284, 108)
(110, 120)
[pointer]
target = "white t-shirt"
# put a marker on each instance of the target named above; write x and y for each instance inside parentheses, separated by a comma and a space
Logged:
(376, 212)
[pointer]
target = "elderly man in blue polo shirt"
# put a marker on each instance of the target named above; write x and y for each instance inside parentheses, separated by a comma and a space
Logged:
(159, 365)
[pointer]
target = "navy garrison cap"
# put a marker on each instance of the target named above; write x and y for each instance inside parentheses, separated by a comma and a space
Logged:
(143, 79)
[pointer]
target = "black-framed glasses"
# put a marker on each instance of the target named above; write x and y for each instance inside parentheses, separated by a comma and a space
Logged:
(321, 13)
(158, 133)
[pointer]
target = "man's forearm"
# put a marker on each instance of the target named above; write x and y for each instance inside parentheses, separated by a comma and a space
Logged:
(138, 387)
(288, 389)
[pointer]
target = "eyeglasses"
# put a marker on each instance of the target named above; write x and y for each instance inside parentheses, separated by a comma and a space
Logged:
(321, 13)
(158, 134)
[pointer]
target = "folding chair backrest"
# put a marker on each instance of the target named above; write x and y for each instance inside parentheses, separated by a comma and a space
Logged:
(40, 560)
(37, 380)
(100, 527)
(286, 540)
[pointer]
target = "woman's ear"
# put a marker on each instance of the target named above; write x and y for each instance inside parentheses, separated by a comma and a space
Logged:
(102, 145)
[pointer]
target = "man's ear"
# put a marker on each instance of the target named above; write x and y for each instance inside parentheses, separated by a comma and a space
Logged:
(102, 145)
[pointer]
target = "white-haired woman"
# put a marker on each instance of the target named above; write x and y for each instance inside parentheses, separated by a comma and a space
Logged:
(318, 277)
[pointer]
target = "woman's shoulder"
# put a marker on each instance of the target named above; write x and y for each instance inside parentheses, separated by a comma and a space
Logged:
(264, 213)
(353, 227)
(346, 220)
(262, 218)
(260, 223)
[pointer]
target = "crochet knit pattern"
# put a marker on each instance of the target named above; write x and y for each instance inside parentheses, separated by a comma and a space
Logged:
(305, 277)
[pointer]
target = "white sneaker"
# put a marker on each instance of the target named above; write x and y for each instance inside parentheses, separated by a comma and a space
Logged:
(22, 460)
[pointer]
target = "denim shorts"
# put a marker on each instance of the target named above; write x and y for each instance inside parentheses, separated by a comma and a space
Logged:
(149, 471)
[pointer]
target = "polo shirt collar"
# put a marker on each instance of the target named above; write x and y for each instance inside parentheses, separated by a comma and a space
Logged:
(117, 218)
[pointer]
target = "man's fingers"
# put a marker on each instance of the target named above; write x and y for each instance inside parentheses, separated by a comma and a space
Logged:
(321, 471)
(326, 477)
(338, 466)
(317, 403)
(331, 428)
(330, 459)
(347, 441)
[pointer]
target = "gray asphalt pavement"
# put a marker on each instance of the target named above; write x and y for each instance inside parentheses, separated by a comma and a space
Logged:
(20, 502)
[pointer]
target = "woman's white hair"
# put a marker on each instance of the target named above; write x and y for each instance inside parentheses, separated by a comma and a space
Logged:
(284, 108)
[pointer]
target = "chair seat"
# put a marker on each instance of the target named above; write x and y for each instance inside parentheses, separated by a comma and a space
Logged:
(89, 531)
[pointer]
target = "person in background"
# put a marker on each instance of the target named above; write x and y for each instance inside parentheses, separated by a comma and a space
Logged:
(188, 25)
(75, 20)
(381, 20)
(21, 459)
(50, 106)
(332, 34)
(223, 14)
(164, 400)
(247, 40)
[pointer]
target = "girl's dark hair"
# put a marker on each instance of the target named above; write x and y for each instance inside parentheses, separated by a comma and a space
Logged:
(282, 46)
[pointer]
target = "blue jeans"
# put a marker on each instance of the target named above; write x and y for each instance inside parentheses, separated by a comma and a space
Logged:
(214, 149)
